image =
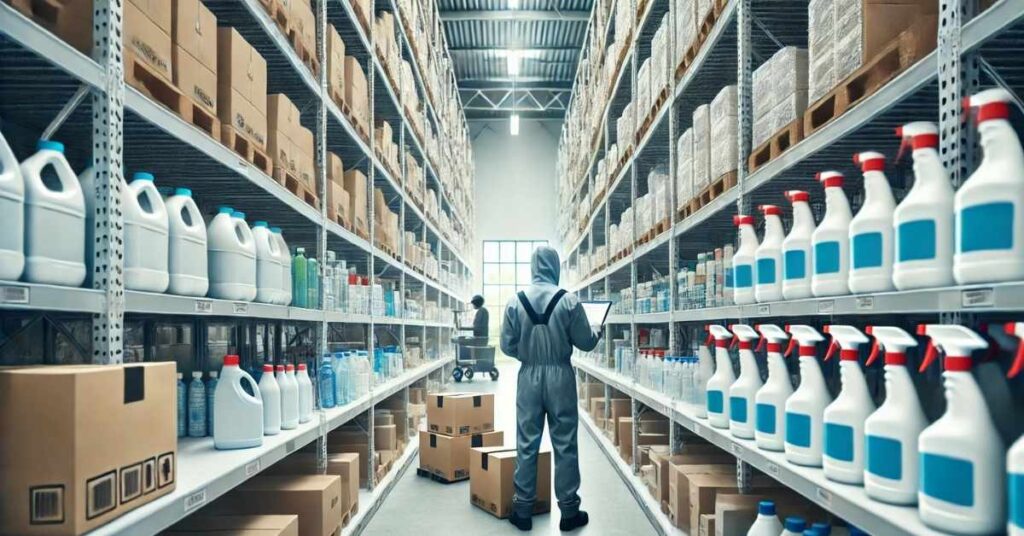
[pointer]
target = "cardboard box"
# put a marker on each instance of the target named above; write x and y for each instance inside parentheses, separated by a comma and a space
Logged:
(355, 185)
(679, 487)
(339, 202)
(282, 123)
(146, 39)
(335, 170)
(625, 425)
(491, 473)
(704, 489)
(302, 21)
(709, 525)
(456, 414)
(597, 408)
(254, 525)
(663, 463)
(194, 53)
(241, 86)
(304, 159)
(344, 465)
(385, 437)
(380, 206)
(357, 95)
(417, 395)
(93, 442)
(157, 11)
(335, 63)
(735, 512)
(448, 457)
(72, 23)
(620, 407)
(316, 499)
(589, 391)
(344, 440)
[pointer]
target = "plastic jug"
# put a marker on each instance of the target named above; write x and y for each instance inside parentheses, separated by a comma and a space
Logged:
(1015, 457)
(327, 385)
(963, 464)
(871, 230)
(766, 523)
(794, 526)
(768, 257)
(12, 215)
(53, 201)
(187, 265)
(268, 264)
(743, 261)
(890, 433)
(770, 400)
(719, 383)
(843, 455)
(831, 241)
(923, 221)
(312, 283)
(284, 256)
(743, 391)
(232, 256)
(989, 206)
(271, 393)
(289, 396)
(305, 393)
(239, 415)
(145, 236)
(796, 248)
(197, 406)
(804, 410)
(300, 271)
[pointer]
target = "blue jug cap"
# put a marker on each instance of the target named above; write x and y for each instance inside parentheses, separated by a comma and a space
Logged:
(259, 224)
(239, 215)
(183, 191)
(824, 529)
(854, 531)
(812, 532)
(225, 210)
(275, 230)
(143, 176)
(50, 145)
(766, 508)
(795, 524)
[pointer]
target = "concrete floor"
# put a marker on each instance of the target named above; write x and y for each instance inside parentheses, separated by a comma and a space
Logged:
(420, 506)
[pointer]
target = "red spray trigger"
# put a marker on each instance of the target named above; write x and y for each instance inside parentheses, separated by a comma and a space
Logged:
(929, 356)
(874, 353)
(709, 340)
(905, 142)
(1018, 357)
(760, 344)
(831, 350)
(789, 349)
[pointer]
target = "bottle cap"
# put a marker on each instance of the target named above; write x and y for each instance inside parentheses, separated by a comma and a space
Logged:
(143, 176)
(740, 219)
(957, 342)
(991, 103)
(795, 196)
(302, 366)
(917, 134)
(823, 529)
(183, 191)
(239, 215)
(50, 145)
(267, 367)
(766, 508)
(289, 368)
(225, 210)
(870, 161)
(231, 360)
(275, 230)
(279, 369)
(197, 374)
(259, 224)
(770, 210)
(795, 524)
(830, 179)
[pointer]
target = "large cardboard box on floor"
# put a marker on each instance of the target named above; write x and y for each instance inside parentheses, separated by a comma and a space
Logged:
(147, 38)
(316, 499)
(84, 444)
(241, 86)
(456, 414)
(344, 465)
(448, 457)
(355, 185)
(690, 455)
(254, 525)
(194, 57)
(491, 486)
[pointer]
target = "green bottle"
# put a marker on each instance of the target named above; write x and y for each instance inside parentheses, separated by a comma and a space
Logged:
(299, 271)
(313, 283)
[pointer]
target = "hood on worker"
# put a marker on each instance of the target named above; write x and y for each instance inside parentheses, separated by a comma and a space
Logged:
(545, 265)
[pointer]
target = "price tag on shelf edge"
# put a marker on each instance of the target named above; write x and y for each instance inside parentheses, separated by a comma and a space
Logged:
(14, 295)
(252, 468)
(764, 309)
(977, 297)
(824, 496)
(772, 469)
(195, 500)
(737, 449)
(826, 306)
(204, 306)
(865, 303)
(240, 308)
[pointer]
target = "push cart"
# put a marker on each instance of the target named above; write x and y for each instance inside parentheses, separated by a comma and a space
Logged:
(473, 355)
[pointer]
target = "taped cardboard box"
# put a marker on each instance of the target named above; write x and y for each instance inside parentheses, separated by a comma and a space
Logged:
(597, 406)
(690, 455)
(254, 525)
(315, 499)
(194, 56)
(355, 185)
(679, 487)
(491, 473)
(303, 23)
(704, 488)
(241, 87)
(282, 125)
(72, 23)
(385, 437)
(304, 161)
(457, 414)
(357, 95)
(448, 457)
(335, 63)
(625, 425)
(147, 38)
(344, 465)
(335, 170)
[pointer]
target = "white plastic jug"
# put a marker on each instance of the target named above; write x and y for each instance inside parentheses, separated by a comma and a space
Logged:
(268, 264)
(12, 215)
(831, 240)
(719, 382)
(286, 266)
(145, 236)
(238, 414)
(871, 231)
(232, 256)
(54, 218)
(187, 265)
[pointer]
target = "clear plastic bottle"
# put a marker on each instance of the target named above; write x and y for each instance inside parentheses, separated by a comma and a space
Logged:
(329, 292)
(327, 383)
(313, 283)
(211, 390)
(300, 292)
(182, 405)
(197, 406)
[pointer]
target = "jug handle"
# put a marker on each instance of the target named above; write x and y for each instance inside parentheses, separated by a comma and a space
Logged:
(252, 384)
(246, 232)
(275, 248)
(197, 217)
(145, 191)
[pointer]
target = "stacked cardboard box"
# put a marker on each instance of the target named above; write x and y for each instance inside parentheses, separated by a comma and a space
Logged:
(282, 130)
(386, 147)
(335, 65)
(491, 486)
(147, 39)
(456, 422)
(315, 499)
(355, 185)
(194, 53)
(344, 465)
(779, 92)
(724, 127)
(254, 525)
(339, 202)
(386, 41)
(385, 222)
(357, 94)
(241, 87)
(302, 23)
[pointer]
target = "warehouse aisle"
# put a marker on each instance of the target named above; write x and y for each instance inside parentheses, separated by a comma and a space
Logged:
(425, 508)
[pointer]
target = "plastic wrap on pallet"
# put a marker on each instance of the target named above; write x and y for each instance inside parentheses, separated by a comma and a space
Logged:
(762, 130)
(763, 89)
(642, 96)
(789, 72)
(701, 148)
(686, 27)
(849, 44)
(684, 168)
(724, 128)
(788, 109)
(657, 183)
(659, 56)
(703, 9)
(821, 75)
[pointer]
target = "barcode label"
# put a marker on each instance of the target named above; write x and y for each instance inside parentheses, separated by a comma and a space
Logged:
(252, 468)
(47, 505)
(195, 500)
(736, 449)
(241, 308)
(131, 483)
(204, 307)
(865, 303)
(772, 469)
(14, 295)
(289, 447)
(826, 306)
(100, 495)
(980, 297)
(824, 497)
(764, 309)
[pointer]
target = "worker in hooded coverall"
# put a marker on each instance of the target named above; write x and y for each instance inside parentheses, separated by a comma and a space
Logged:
(547, 388)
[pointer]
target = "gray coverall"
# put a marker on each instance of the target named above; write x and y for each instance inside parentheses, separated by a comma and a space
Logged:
(547, 386)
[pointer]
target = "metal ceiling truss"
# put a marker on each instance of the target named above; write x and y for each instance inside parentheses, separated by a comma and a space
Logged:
(516, 15)
(553, 101)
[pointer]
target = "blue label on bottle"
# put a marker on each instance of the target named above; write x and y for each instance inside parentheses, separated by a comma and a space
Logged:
(987, 226)
(765, 271)
(744, 275)
(728, 278)
(738, 409)
(948, 479)
(716, 402)
(839, 442)
(866, 249)
(794, 264)
(826, 257)
(766, 418)
(917, 240)
(798, 429)
(1016, 495)
(883, 457)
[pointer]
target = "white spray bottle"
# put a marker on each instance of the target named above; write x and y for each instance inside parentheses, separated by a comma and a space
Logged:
(989, 206)
(1015, 458)
(796, 248)
(871, 242)
(770, 401)
(805, 408)
(923, 221)
(831, 240)
(744, 389)
(768, 257)
(891, 470)
(843, 456)
(705, 369)
(743, 276)
(719, 383)
(963, 467)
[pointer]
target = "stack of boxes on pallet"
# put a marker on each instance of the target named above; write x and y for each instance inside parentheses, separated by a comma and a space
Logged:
(456, 422)
(291, 148)
(385, 221)
(779, 100)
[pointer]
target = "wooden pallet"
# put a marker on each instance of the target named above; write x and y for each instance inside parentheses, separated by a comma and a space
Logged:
(708, 194)
(244, 147)
(436, 478)
(661, 227)
(704, 30)
(306, 55)
(152, 84)
(648, 121)
(333, 215)
(777, 144)
(291, 181)
(354, 121)
(277, 13)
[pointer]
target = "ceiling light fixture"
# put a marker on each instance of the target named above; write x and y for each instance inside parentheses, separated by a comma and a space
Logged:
(513, 4)
(512, 57)
(514, 124)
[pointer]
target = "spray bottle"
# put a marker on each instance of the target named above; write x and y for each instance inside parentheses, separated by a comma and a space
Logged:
(831, 240)
(744, 389)
(989, 205)
(1015, 458)
(769, 431)
(871, 249)
(805, 408)
(743, 261)
(768, 257)
(705, 369)
(923, 221)
(963, 467)
(796, 248)
(843, 458)
(719, 383)
(890, 433)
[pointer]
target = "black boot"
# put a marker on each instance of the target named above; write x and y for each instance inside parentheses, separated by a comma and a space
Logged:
(573, 523)
(524, 524)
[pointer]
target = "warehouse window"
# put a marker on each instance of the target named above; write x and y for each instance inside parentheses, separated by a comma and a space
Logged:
(506, 271)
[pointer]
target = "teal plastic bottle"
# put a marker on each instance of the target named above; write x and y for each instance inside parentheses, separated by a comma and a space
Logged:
(313, 283)
(299, 271)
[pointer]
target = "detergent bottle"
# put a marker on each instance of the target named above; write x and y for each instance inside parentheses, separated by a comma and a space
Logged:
(770, 424)
(232, 256)
(187, 265)
(289, 396)
(705, 368)
(766, 523)
(305, 393)
(145, 236)
(794, 526)
(890, 433)
(1015, 457)
(268, 264)
(285, 258)
(806, 407)
(988, 206)
(871, 241)
(796, 248)
(831, 240)
(843, 455)
(12, 215)
(743, 261)
(719, 382)
(271, 393)
(745, 388)
(963, 463)
(923, 221)
(768, 257)
(239, 415)
(53, 201)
